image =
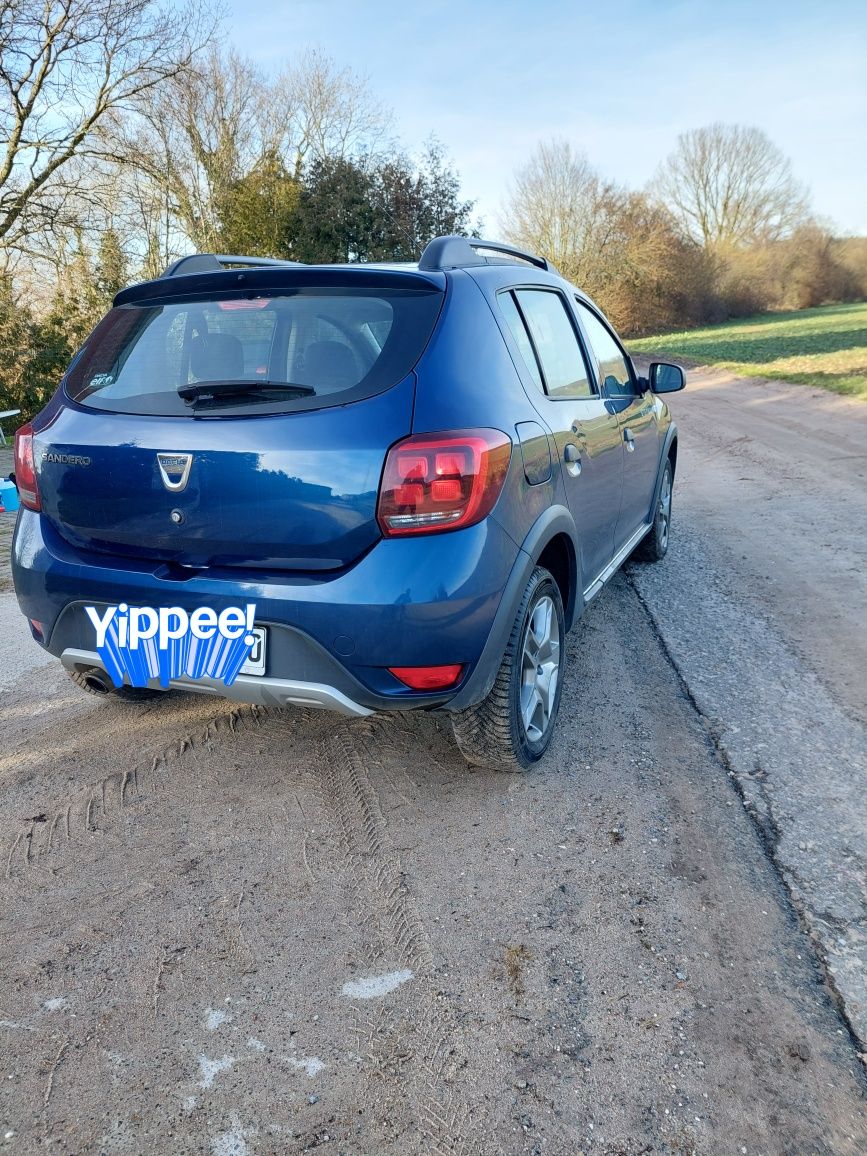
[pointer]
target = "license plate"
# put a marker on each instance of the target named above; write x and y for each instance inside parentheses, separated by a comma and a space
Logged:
(255, 664)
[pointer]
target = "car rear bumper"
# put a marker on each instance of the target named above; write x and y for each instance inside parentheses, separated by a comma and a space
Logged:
(246, 688)
(447, 598)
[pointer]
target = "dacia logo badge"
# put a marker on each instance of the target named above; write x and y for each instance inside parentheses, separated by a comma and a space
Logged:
(174, 469)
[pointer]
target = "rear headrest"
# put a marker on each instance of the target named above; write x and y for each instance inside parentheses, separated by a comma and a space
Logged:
(330, 364)
(216, 357)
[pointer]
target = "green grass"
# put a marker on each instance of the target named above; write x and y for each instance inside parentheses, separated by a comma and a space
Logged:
(824, 347)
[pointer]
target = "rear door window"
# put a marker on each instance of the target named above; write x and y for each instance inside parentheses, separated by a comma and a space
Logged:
(555, 342)
(522, 338)
(334, 345)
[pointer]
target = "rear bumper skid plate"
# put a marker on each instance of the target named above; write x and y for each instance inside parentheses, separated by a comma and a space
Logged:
(245, 688)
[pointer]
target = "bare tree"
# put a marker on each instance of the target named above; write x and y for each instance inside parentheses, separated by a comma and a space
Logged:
(730, 185)
(559, 206)
(327, 111)
(197, 135)
(199, 138)
(67, 67)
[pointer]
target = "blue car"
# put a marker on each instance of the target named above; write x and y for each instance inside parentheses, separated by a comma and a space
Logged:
(420, 475)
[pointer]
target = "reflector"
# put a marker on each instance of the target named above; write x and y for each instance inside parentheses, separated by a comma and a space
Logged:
(428, 677)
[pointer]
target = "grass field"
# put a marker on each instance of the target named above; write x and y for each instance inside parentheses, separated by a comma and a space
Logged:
(825, 347)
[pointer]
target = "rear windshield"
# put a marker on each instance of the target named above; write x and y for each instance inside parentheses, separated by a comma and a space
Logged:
(290, 350)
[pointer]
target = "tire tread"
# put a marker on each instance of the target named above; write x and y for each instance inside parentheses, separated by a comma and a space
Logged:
(649, 548)
(484, 731)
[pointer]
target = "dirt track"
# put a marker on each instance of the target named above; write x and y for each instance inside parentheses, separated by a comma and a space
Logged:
(600, 956)
(762, 607)
(776, 475)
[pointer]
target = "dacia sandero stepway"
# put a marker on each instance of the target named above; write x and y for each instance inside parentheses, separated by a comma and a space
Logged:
(419, 474)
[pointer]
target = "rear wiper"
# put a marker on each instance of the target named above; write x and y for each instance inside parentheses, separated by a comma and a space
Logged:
(202, 389)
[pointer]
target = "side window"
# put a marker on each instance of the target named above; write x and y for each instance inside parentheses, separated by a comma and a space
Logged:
(556, 343)
(616, 376)
(519, 331)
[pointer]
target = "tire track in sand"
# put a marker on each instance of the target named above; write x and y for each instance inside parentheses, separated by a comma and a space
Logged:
(38, 843)
(411, 1042)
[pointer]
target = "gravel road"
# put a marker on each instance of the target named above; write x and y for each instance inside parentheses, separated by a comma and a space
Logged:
(238, 931)
(763, 608)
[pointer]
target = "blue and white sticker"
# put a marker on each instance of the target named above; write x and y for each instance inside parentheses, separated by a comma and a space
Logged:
(140, 643)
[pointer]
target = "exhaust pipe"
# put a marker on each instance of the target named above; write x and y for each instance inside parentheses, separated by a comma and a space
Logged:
(97, 681)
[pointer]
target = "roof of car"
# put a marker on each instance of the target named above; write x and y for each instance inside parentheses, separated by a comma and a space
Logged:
(203, 272)
(440, 254)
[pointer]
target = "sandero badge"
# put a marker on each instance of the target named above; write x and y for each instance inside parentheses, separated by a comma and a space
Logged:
(174, 469)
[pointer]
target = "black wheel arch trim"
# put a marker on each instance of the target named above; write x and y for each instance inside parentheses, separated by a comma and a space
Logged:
(557, 520)
(670, 440)
(554, 521)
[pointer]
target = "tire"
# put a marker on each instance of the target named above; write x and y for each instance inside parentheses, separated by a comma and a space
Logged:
(85, 680)
(654, 545)
(494, 733)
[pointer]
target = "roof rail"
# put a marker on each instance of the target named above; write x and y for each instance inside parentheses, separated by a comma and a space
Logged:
(215, 262)
(460, 253)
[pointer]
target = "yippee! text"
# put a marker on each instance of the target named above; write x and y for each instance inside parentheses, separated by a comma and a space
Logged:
(135, 624)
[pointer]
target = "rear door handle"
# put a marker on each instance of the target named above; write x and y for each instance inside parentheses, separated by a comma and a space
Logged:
(629, 438)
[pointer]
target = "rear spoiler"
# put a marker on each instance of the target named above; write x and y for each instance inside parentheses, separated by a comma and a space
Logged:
(274, 276)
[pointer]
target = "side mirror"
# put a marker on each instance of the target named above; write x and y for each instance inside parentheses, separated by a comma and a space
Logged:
(665, 377)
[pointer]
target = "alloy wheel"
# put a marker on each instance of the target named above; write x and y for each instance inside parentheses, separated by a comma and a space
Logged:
(540, 668)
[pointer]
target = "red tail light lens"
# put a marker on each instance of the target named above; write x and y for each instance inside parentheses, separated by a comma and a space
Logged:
(435, 482)
(25, 469)
(428, 677)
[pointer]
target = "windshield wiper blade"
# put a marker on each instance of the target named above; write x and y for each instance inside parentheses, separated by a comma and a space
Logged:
(201, 389)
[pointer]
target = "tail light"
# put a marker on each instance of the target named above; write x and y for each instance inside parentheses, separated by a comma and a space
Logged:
(25, 469)
(434, 482)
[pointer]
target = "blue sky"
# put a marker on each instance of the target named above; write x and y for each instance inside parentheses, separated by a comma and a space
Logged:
(619, 78)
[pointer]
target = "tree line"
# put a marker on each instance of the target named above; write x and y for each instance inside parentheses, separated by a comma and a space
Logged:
(129, 136)
(723, 230)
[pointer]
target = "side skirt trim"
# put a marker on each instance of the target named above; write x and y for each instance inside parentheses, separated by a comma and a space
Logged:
(617, 561)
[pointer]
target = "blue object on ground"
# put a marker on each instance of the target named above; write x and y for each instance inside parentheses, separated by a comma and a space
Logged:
(8, 496)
